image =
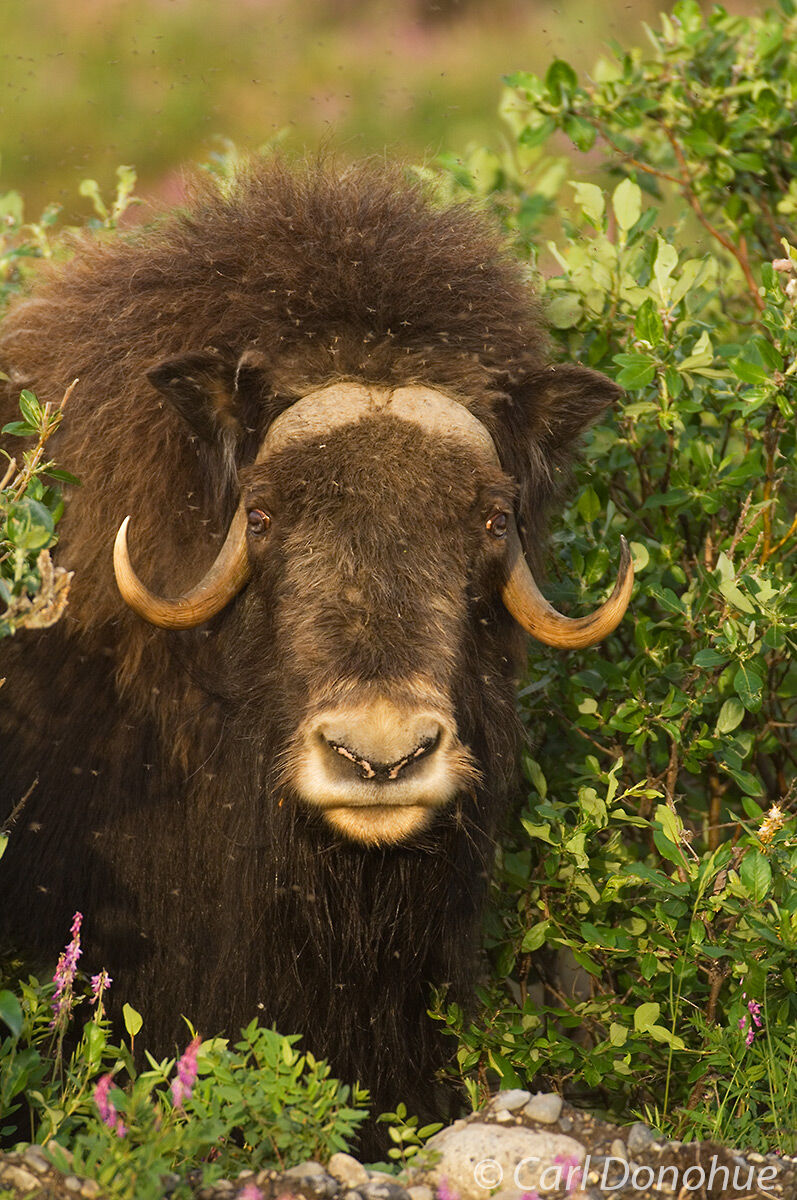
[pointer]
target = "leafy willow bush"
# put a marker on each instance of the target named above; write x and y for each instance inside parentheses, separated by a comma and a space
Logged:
(33, 593)
(656, 847)
(218, 1110)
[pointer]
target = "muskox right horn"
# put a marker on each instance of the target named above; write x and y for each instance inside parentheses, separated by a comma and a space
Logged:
(222, 582)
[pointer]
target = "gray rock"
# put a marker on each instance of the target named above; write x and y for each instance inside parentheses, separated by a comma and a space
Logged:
(482, 1161)
(311, 1167)
(639, 1137)
(347, 1170)
(544, 1107)
(383, 1189)
(380, 1189)
(504, 1116)
(34, 1158)
(18, 1177)
(509, 1100)
(312, 1180)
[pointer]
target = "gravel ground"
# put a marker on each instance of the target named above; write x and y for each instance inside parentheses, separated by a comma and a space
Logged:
(627, 1163)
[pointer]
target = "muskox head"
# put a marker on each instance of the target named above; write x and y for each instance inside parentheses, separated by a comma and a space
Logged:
(374, 553)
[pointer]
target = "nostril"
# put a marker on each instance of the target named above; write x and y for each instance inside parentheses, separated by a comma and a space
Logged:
(384, 772)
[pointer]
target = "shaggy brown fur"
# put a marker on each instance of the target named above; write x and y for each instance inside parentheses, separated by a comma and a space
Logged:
(161, 811)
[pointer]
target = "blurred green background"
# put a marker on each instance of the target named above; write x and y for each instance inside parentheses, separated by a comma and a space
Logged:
(89, 84)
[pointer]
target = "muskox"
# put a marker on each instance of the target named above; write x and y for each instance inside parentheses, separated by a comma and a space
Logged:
(325, 404)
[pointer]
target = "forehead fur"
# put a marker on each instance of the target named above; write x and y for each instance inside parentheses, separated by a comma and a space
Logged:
(383, 462)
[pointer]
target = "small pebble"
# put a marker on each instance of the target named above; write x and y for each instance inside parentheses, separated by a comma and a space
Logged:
(617, 1149)
(311, 1167)
(72, 1183)
(18, 1177)
(34, 1158)
(510, 1100)
(89, 1188)
(503, 1116)
(639, 1137)
(544, 1107)
(347, 1170)
(420, 1192)
(565, 1123)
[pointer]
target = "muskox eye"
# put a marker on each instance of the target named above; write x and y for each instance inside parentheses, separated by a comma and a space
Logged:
(257, 521)
(497, 524)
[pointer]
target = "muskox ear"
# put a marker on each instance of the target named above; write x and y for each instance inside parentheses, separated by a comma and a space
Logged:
(568, 398)
(211, 389)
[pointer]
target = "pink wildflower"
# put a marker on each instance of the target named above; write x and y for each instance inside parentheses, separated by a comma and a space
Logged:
(754, 1008)
(183, 1085)
(572, 1163)
(64, 976)
(106, 1108)
(444, 1192)
(749, 1036)
(250, 1191)
(99, 984)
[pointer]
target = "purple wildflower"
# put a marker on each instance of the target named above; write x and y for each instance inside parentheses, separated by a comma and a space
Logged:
(748, 1040)
(754, 1008)
(99, 984)
(64, 976)
(444, 1192)
(183, 1085)
(106, 1108)
(572, 1163)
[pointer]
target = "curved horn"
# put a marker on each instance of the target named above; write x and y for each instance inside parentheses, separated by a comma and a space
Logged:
(530, 609)
(222, 582)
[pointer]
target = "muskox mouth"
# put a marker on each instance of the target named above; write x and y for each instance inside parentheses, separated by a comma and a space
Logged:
(377, 769)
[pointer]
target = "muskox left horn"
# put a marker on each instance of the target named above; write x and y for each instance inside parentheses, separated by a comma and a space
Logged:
(530, 609)
(222, 582)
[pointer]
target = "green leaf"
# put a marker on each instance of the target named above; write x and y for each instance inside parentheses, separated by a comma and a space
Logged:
(730, 715)
(581, 132)
(709, 658)
(640, 555)
(535, 937)
(646, 1015)
(756, 875)
(748, 684)
(648, 325)
(133, 1020)
(590, 200)
(627, 204)
(638, 370)
(19, 429)
(11, 1012)
(589, 505)
(737, 597)
(560, 80)
(565, 311)
(665, 264)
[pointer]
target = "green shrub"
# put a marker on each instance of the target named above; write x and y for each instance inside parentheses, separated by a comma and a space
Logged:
(656, 846)
(216, 1111)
